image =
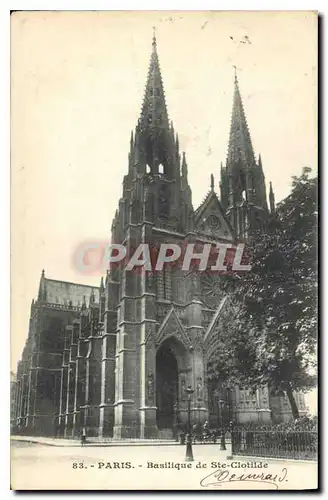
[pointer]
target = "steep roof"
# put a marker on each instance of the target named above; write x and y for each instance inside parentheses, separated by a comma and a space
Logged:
(211, 220)
(65, 292)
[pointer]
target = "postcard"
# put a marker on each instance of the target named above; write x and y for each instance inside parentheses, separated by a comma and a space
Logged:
(164, 250)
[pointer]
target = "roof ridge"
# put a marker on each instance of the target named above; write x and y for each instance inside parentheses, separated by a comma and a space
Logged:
(71, 283)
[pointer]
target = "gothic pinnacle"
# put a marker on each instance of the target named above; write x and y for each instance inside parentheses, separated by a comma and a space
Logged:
(154, 36)
(184, 165)
(271, 199)
(212, 182)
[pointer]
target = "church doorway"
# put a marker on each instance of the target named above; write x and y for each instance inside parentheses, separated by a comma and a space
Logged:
(167, 386)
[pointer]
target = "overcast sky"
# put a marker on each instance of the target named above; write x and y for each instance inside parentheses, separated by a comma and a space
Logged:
(77, 88)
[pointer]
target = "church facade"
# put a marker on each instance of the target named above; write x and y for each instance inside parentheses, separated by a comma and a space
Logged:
(117, 358)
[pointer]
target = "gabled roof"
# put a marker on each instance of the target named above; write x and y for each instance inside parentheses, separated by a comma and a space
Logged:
(210, 218)
(172, 326)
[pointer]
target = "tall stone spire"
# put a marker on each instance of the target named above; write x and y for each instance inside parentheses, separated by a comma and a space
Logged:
(152, 188)
(242, 185)
(240, 145)
(155, 149)
(154, 112)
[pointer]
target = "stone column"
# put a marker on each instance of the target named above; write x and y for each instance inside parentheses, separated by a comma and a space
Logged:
(264, 411)
(69, 380)
(127, 381)
(79, 397)
(93, 384)
(106, 417)
(18, 400)
(32, 398)
(24, 398)
(147, 362)
(198, 382)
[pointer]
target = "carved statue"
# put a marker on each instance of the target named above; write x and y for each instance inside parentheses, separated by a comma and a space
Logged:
(183, 387)
(150, 387)
(200, 392)
(151, 282)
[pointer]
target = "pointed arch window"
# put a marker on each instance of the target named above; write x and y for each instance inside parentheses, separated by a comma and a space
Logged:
(148, 169)
(161, 169)
(164, 284)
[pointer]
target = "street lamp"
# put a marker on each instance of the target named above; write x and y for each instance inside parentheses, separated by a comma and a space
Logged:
(189, 455)
(223, 444)
(176, 420)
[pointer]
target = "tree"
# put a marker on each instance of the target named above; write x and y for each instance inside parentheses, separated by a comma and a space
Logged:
(277, 301)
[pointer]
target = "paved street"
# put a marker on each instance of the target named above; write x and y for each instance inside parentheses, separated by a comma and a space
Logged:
(40, 466)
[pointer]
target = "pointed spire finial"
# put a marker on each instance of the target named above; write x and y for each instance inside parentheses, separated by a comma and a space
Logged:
(240, 147)
(271, 199)
(212, 182)
(153, 111)
(42, 274)
(154, 36)
(184, 168)
(235, 68)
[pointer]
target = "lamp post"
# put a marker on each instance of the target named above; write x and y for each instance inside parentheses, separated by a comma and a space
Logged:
(189, 455)
(176, 420)
(223, 444)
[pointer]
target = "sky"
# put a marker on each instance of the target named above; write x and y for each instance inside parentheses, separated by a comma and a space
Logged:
(77, 83)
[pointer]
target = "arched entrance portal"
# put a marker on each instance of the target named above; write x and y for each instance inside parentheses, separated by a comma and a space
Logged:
(167, 385)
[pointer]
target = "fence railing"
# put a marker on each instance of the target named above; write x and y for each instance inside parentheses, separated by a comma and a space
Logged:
(293, 444)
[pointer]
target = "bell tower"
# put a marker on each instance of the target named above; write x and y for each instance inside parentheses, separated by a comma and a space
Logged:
(243, 191)
(154, 179)
(155, 207)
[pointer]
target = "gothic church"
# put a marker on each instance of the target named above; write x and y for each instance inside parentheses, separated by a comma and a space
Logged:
(117, 358)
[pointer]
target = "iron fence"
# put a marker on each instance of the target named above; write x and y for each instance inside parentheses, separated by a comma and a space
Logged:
(269, 443)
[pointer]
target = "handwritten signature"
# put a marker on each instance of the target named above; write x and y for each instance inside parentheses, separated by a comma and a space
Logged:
(219, 477)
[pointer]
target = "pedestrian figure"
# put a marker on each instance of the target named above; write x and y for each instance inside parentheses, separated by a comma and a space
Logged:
(83, 437)
(206, 431)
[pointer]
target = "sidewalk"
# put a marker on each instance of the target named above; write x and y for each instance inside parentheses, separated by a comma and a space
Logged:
(48, 441)
(94, 441)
